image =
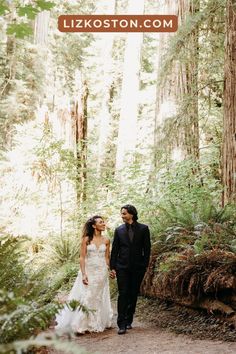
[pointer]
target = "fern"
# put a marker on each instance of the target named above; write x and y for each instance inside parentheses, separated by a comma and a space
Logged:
(23, 309)
(11, 262)
(20, 318)
(61, 250)
(23, 346)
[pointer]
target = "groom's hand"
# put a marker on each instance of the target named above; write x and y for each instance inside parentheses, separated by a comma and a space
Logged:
(112, 274)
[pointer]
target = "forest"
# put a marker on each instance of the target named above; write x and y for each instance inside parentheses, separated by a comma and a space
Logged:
(92, 121)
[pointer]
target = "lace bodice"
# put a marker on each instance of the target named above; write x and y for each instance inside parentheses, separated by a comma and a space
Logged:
(93, 250)
(95, 258)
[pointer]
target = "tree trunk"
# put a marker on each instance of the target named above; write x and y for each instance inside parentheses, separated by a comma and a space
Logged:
(41, 28)
(229, 126)
(6, 125)
(105, 126)
(177, 94)
(81, 126)
(11, 55)
(166, 97)
(129, 94)
(191, 71)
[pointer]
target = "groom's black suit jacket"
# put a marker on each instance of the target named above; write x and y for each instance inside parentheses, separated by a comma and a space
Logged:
(131, 255)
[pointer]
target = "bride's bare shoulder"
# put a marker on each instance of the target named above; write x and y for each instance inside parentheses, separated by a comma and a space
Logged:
(106, 240)
(85, 240)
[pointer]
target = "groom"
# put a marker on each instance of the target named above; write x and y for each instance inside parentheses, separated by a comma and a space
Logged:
(129, 260)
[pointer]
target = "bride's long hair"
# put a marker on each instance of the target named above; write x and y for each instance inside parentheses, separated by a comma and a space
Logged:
(88, 229)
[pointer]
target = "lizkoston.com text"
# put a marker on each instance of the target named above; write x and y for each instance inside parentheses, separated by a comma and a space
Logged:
(128, 23)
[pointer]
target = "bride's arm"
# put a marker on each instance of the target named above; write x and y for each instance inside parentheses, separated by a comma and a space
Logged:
(107, 255)
(83, 252)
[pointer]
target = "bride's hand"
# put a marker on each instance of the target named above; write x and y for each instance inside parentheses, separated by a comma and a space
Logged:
(112, 274)
(85, 279)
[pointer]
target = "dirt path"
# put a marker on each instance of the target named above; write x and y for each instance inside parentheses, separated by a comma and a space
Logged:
(147, 338)
(143, 339)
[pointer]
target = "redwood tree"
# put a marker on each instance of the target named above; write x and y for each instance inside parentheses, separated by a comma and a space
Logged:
(80, 116)
(229, 127)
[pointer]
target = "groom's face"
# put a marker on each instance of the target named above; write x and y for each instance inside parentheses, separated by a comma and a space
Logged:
(126, 217)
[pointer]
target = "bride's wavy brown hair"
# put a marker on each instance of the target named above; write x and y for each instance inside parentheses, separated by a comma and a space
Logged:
(88, 229)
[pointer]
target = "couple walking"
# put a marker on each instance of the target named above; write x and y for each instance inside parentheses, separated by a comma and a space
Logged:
(128, 263)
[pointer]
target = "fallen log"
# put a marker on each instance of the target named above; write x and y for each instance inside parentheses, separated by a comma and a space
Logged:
(206, 282)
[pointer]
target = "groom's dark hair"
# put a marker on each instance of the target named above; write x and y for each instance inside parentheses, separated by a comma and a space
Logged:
(131, 210)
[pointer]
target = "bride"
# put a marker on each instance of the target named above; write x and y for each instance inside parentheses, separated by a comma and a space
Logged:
(91, 287)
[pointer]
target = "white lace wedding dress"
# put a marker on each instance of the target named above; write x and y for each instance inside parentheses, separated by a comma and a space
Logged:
(95, 296)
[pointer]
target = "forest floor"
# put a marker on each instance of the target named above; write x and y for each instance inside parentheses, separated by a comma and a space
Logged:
(161, 328)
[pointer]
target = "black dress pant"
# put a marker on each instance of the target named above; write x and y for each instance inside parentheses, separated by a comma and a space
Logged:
(129, 282)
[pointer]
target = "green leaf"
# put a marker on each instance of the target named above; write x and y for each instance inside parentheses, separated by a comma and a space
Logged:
(20, 30)
(28, 11)
(3, 7)
(45, 5)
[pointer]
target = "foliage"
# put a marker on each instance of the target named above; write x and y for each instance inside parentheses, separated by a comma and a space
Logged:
(53, 162)
(32, 345)
(21, 318)
(76, 305)
(194, 245)
(21, 86)
(61, 250)
(202, 227)
(11, 260)
(204, 92)
(23, 310)
(180, 194)
(75, 45)
(21, 28)
(27, 295)
(179, 200)
(203, 20)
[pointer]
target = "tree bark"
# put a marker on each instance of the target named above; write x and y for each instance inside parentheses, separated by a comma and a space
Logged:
(81, 127)
(229, 124)
(177, 94)
(191, 70)
(6, 88)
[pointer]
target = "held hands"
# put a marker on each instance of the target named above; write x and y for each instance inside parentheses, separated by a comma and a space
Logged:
(85, 279)
(112, 274)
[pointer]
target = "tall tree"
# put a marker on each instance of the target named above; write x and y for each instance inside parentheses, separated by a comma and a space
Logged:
(41, 28)
(191, 129)
(130, 93)
(19, 90)
(166, 92)
(229, 129)
(81, 127)
(177, 89)
(105, 124)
